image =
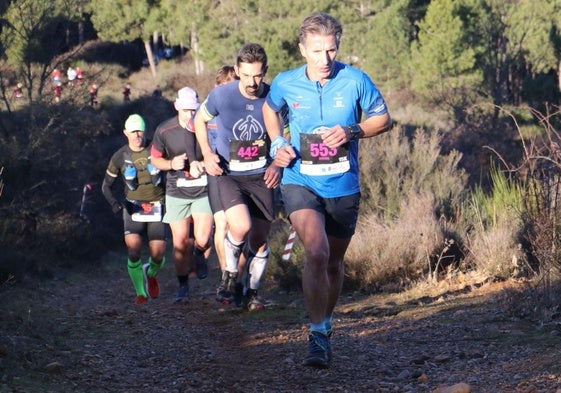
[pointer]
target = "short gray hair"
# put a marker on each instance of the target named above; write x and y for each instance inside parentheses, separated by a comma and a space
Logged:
(320, 23)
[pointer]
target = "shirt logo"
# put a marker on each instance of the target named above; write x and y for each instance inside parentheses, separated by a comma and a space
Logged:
(248, 129)
(295, 105)
(338, 101)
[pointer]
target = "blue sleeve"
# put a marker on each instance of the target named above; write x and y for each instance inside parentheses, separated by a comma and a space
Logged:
(371, 100)
(275, 97)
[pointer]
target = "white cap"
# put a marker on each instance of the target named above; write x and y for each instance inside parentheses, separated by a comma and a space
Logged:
(187, 98)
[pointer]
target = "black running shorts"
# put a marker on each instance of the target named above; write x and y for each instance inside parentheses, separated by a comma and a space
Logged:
(249, 190)
(340, 213)
(214, 194)
(154, 230)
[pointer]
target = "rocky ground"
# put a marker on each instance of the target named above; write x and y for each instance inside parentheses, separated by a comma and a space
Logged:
(80, 332)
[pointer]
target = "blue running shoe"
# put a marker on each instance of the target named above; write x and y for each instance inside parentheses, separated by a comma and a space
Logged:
(183, 293)
(329, 350)
(317, 356)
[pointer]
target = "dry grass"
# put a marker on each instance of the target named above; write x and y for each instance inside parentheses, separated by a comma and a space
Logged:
(496, 251)
(410, 194)
(403, 250)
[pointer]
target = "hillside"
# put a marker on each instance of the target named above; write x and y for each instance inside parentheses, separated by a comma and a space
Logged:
(67, 321)
(80, 332)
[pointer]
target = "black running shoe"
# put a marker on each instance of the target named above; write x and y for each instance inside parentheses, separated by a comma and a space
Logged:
(238, 294)
(201, 264)
(224, 294)
(252, 302)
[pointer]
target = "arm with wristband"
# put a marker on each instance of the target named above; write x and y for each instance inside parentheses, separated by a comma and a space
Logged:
(281, 151)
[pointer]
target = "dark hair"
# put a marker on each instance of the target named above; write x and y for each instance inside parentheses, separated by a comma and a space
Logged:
(225, 74)
(252, 53)
(320, 23)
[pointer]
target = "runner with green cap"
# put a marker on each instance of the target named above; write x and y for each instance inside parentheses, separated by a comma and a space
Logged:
(141, 207)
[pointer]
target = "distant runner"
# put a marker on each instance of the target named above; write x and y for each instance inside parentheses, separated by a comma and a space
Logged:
(142, 208)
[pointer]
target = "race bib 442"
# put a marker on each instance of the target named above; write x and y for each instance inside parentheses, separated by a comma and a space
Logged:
(248, 155)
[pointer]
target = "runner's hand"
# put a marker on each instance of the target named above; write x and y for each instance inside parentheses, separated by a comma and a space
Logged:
(196, 169)
(284, 156)
(272, 176)
(335, 137)
(211, 165)
(178, 162)
(117, 208)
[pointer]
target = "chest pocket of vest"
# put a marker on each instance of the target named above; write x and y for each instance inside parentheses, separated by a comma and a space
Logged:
(131, 173)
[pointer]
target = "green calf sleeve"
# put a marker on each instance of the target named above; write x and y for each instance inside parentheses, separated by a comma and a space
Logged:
(155, 267)
(137, 277)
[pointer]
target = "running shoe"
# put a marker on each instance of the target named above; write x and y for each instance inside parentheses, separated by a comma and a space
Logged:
(251, 301)
(317, 356)
(238, 294)
(140, 300)
(201, 264)
(224, 294)
(329, 350)
(152, 285)
(183, 293)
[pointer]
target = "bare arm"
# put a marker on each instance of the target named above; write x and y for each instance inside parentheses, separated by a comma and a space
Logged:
(161, 163)
(164, 164)
(211, 160)
(281, 151)
(273, 122)
(372, 126)
(376, 125)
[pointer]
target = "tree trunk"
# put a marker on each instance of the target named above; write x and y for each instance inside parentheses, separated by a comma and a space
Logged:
(150, 57)
(80, 26)
(195, 49)
(155, 42)
(559, 76)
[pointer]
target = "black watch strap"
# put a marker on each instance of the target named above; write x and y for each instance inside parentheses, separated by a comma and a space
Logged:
(354, 131)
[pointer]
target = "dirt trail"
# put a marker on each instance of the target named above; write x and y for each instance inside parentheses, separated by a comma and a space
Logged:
(81, 333)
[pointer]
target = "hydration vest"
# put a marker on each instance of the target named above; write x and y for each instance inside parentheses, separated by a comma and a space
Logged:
(130, 172)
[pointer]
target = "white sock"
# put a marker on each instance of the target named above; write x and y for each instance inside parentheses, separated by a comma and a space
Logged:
(232, 251)
(257, 263)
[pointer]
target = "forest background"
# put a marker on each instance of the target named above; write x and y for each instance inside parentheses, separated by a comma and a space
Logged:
(465, 187)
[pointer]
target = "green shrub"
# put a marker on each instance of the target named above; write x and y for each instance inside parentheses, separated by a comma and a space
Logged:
(495, 226)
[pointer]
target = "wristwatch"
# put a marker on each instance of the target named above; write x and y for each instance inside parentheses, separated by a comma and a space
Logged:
(354, 132)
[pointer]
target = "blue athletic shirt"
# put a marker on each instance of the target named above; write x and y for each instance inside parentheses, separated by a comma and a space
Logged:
(341, 100)
(237, 119)
(211, 127)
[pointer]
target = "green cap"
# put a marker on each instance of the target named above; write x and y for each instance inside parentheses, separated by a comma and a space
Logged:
(135, 123)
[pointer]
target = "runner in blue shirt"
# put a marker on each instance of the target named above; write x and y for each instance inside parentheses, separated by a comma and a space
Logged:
(320, 186)
(224, 75)
(243, 171)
